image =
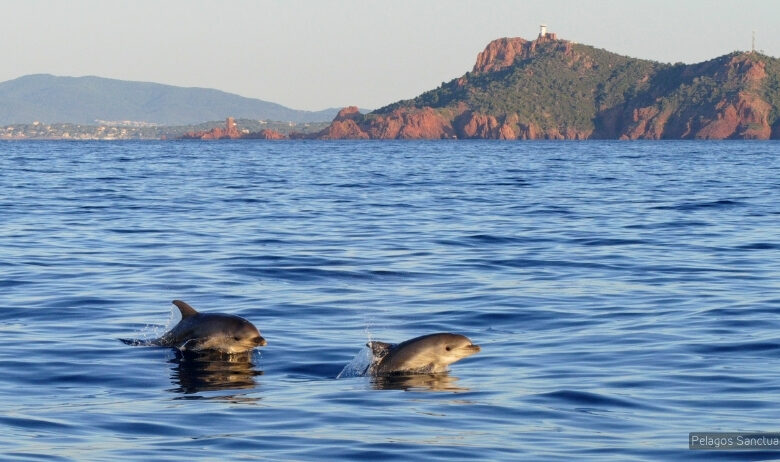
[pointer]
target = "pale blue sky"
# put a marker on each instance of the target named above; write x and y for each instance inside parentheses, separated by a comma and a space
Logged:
(317, 54)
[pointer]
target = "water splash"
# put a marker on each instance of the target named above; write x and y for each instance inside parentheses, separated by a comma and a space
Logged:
(154, 331)
(358, 366)
(360, 363)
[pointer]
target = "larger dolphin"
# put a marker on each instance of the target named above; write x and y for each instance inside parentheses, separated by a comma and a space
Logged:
(430, 353)
(224, 333)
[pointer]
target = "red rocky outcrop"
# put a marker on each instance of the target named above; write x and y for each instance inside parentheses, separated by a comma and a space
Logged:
(427, 123)
(412, 124)
(502, 53)
(348, 113)
(343, 130)
(229, 131)
(265, 134)
(746, 118)
(405, 123)
(345, 126)
(217, 133)
(474, 125)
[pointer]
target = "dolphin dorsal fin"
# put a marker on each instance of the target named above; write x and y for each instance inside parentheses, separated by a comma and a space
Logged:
(186, 310)
(379, 349)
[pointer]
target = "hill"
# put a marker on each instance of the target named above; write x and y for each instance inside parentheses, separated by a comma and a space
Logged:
(87, 100)
(555, 89)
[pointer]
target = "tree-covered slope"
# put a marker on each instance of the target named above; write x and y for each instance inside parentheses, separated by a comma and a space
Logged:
(550, 88)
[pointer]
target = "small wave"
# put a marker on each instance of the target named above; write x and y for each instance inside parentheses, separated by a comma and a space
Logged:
(135, 231)
(760, 246)
(492, 239)
(245, 200)
(300, 273)
(689, 206)
(741, 347)
(30, 423)
(529, 263)
(477, 240)
(669, 225)
(551, 210)
(584, 398)
(5, 283)
(270, 241)
(608, 242)
(353, 185)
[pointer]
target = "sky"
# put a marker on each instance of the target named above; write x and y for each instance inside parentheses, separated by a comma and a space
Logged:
(332, 53)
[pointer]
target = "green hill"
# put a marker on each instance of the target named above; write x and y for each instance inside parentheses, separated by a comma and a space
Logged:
(551, 87)
(556, 89)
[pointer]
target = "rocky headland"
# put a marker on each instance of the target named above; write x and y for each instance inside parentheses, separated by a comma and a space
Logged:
(550, 88)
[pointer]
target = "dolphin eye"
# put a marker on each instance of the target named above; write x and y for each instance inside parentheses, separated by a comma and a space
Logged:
(449, 348)
(236, 338)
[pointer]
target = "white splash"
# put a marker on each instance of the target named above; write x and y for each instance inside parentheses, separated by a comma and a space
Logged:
(358, 366)
(155, 331)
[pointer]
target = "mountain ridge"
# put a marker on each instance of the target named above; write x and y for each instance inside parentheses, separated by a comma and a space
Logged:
(87, 99)
(550, 88)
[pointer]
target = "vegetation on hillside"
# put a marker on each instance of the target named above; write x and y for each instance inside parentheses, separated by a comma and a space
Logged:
(550, 88)
(595, 91)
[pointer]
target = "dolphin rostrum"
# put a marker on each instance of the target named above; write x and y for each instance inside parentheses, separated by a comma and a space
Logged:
(225, 333)
(430, 353)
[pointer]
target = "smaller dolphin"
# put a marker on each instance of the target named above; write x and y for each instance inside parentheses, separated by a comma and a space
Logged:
(430, 353)
(225, 333)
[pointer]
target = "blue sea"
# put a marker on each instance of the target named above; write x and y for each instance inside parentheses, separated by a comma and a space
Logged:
(624, 294)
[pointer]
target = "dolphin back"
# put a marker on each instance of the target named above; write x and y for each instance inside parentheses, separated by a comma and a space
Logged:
(380, 349)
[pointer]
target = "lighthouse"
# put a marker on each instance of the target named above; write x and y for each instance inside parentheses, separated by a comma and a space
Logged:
(543, 30)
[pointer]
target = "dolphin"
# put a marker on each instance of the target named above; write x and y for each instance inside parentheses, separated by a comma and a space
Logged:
(430, 353)
(225, 333)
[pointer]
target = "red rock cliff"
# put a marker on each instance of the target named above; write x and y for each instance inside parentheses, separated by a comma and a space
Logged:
(502, 53)
(403, 123)
(743, 115)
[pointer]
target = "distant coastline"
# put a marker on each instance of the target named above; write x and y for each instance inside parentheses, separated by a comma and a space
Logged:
(518, 89)
(149, 132)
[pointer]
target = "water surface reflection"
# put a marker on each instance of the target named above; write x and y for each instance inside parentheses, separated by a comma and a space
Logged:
(213, 371)
(417, 382)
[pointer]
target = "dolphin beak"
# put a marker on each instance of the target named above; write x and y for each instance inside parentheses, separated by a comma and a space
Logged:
(260, 341)
(474, 348)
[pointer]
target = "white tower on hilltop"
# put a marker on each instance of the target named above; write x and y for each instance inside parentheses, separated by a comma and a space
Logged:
(543, 30)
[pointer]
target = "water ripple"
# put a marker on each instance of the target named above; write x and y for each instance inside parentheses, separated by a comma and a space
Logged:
(623, 294)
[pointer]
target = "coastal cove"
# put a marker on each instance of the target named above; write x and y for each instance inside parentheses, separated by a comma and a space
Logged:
(623, 295)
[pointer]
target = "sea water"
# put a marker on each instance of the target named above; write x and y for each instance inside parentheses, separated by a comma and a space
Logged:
(624, 294)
